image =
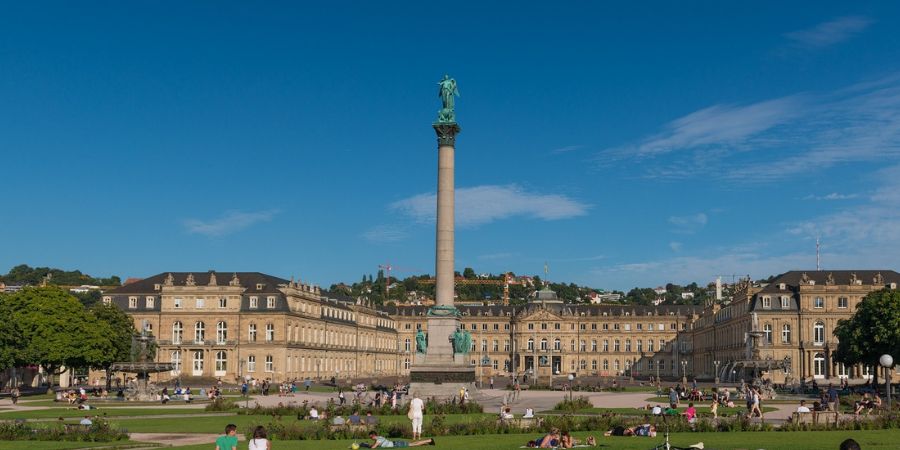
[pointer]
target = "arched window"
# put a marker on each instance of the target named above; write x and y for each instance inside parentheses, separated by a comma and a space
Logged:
(616, 346)
(767, 329)
(786, 333)
(221, 362)
(616, 365)
(176, 361)
(530, 344)
(557, 345)
(251, 363)
(605, 364)
(199, 332)
(177, 332)
(627, 345)
(270, 363)
(819, 365)
(221, 332)
(819, 333)
(407, 345)
(251, 332)
(543, 344)
(198, 363)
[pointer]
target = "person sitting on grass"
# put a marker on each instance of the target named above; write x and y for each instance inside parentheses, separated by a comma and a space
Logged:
(591, 440)
(549, 440)
(637, 430)
(566, 440)
(670, 411)
(228, 441)
(381, 441)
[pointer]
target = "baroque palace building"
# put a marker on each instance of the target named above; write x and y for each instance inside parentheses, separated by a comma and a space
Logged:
(248, 324)
(793, 318)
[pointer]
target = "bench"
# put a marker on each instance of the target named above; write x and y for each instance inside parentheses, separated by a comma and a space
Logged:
(521, 423)
(349, 427)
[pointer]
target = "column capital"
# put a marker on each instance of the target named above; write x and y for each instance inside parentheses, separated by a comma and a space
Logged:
(446, 133)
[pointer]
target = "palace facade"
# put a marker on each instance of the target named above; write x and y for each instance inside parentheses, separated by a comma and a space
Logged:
(248, 324)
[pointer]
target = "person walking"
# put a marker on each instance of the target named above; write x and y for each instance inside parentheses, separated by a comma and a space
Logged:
(341, 397)
(15, 394)
(259, 440)
(832, 398)
(416, 415)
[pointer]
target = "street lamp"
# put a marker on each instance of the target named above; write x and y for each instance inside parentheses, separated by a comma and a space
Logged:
(717, 362)
(571, 377)
(887, 362)
(683, 372)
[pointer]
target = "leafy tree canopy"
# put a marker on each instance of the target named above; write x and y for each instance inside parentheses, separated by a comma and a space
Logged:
(24, 274)
(872, 331)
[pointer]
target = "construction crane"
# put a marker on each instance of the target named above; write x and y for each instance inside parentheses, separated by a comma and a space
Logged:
(460, 280)
(388, 267)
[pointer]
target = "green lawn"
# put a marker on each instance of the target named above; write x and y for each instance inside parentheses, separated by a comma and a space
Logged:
(801, 440)
(216, 424)
(702, 410)
(114, 412)
(51, 445)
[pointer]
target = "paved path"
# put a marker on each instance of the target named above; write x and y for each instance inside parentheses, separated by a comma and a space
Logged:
(177, 439)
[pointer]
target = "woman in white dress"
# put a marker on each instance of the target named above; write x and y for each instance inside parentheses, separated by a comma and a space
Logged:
(259, 441)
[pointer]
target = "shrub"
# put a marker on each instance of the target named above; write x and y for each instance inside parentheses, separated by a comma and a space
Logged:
(100, 431)
(573, 404)
(221, 404)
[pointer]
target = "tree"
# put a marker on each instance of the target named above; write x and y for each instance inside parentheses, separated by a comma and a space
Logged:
(56, 332)
(469, 273)
(121, 329)
(872, 331)
(10, 337)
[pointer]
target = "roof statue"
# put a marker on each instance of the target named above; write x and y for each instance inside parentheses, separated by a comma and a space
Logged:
(879, 279)
(853, 278)
(212, 279)
(447, 92)
(830, 280)
(170, 280)
(235, 281)
(190, 280)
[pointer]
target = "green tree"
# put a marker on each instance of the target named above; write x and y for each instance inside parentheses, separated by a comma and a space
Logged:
(10, 336)
(121, 330)
(469, 273)
(56, 331)
(873, 330)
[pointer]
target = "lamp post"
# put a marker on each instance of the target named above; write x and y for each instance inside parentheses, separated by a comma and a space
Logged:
(683, 372)
(887, 361)
(571, 377)
(716, 363)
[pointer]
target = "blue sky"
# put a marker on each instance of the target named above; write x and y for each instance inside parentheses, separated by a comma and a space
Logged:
(625, 144)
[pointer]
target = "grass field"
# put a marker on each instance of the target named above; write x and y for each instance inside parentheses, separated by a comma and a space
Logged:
(879, 439)
(110, 412)
(702, 410)
(50, 445)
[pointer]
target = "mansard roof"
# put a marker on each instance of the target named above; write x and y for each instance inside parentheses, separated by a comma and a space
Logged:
(558, 309)
(793, 279)
(248, 280)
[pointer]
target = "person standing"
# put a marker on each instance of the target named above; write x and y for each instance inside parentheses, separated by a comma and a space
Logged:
(259, 440)
(228, 441)
(416, 415)
(341, 397)
(15, 394)
(491, 382)
(673, 398)
(832, 398)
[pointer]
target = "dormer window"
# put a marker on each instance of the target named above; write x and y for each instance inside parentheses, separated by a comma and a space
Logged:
(132, 302)
(782, 286)
(259, 286)
(150, 302)
(270, 302)
(785, 302)
(767, 302)
(254, 302)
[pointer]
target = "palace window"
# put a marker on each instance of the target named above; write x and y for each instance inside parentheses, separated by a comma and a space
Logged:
(543, 344)
(484, 345)
(199, 332)
(627, 345)
(785, 302)
(605, 327)
(223, 302)
(583, 364)
(640, 346)
(605, 364)
(767, 329)
(593, 364)
(556, 326)
(819, 333)
(819, 302)
(767, 302)
(199, 303)
(616, 326)
(177, 332)
(270, 332)
(198, 362)
(616, 346)
(819, 365)
(530, 326)
(132, 302)
(495, 345)
(176, 303)
(583, 327)
(221, 332)
(543, 326)
(530, 344)
(254, 302)
(221, 361)
(640, 327)
(650, 345)
(593, 345)
(506, 326)
(251, 332)
(406, 363)
(270, 363)
(407, 345)
(270, 302)
(506, 345)
(842, 302)
(557, 345)
(176, 361)
(616, 365)
(496, 327)
(606, 345)
(786, 333)
(251, 363)
(150, 303)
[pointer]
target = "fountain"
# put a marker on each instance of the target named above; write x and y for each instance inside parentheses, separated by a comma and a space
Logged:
(141, 389)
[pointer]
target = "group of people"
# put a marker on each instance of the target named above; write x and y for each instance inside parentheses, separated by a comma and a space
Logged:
(557, 439)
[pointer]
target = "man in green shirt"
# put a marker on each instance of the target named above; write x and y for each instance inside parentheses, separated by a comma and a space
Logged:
(229, 440)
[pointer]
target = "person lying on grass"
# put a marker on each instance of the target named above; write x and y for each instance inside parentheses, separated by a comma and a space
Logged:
(381, 441)
(637, 430)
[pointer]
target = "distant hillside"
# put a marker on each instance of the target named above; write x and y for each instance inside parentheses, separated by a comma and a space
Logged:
(24, 274)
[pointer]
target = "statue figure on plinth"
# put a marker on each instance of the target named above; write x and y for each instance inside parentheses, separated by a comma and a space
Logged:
(421, 342)
(462, 341)
(447, 92)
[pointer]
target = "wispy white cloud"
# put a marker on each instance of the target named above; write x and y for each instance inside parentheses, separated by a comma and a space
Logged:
(831, 196)
(776, 138)
(718, 125)
(228, 223)
(385, 234)
(566, 149)
(484, 204)
(688, 224)
(676, 246)
(829, 33)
